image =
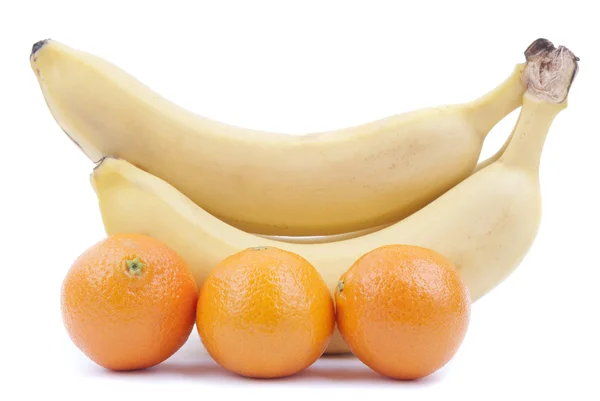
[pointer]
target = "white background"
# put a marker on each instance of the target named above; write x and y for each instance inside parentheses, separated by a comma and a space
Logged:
(298, 67)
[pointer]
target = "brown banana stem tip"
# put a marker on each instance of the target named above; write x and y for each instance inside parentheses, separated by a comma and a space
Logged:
(550, 70)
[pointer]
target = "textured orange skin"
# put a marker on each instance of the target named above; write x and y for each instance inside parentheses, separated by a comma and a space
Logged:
(124, 321)
(403, 310)
(265, 313)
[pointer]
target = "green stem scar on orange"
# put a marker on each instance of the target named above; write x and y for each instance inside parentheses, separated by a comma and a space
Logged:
(135, 266)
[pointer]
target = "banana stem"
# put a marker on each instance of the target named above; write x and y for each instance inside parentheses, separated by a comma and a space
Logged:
(525, 149)
(486, 111)
(548, 75)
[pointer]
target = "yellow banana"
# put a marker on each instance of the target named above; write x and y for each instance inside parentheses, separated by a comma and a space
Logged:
(321, 239)
(342, 181)
(485, 225)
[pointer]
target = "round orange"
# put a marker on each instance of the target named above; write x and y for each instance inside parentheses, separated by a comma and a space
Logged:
(129, 302)
(264, 313)
(403, 310)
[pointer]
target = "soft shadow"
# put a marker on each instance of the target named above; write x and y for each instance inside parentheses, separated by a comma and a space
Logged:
(205, 369)
(329, 370)
(347, 355)
(195, 370)
(360, 376)
(340, 374)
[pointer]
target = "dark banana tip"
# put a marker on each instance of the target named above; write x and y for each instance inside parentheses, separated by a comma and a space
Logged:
(543, 45)
(38, 45)
(538, 46)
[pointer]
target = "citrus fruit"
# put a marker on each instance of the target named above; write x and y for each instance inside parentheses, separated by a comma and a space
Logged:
(129, 302)
(264, 313)
(403, 310)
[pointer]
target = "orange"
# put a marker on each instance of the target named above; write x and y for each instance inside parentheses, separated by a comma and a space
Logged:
(264, 313)
(403, 310)
(129, 302)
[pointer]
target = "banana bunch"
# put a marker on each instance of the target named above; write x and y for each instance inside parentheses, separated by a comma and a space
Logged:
(207, 189)
(323, 183)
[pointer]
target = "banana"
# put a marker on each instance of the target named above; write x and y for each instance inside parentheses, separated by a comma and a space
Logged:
(323, 183)
(485, 225)
(321, 239)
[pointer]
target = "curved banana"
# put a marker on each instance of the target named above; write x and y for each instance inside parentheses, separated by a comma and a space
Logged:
(275, 184)
(485, 225)
(322, 239)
